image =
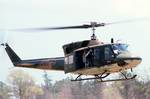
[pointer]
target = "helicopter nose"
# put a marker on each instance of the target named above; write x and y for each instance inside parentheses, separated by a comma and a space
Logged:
(130, 61)
(137, 59)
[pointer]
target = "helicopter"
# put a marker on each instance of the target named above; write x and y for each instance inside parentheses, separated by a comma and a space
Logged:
(87, 57)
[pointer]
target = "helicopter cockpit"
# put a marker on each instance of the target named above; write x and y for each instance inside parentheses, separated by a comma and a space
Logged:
(121, 50)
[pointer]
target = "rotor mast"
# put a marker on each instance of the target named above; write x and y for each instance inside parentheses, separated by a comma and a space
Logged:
(93, 24)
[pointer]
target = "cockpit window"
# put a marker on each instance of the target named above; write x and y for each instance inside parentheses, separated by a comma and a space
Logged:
(120, 47)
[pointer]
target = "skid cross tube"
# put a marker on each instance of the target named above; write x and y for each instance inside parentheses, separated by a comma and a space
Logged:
(92, 78)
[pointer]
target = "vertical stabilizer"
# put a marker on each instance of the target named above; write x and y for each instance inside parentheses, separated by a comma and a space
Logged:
(12, 55)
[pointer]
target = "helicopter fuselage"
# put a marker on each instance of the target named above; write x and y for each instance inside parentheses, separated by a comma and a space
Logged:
(89, 57)
(96, 58)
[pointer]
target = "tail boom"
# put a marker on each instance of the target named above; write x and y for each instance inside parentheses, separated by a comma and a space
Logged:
(56, 63)
(46, 64)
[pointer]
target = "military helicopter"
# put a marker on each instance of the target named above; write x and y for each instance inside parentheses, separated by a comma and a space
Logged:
(87, 57)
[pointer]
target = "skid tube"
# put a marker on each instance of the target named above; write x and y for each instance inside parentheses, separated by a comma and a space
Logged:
(100, 78)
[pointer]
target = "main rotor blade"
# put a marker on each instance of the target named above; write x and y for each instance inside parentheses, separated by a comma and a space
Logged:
(85, 26)
(129, 21)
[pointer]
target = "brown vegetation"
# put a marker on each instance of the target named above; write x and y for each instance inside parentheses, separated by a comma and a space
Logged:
(21, 85)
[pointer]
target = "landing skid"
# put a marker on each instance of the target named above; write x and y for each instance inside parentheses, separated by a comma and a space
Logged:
(101, 78)
(122, 79)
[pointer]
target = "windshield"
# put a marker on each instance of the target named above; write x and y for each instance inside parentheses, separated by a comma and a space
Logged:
(119, 47)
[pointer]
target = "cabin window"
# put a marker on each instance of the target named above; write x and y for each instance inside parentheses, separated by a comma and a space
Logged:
(108, 53)
(118, 48)
(79, 60)
(98, 55)
(102, 54)
(69, 59)
(66, 60)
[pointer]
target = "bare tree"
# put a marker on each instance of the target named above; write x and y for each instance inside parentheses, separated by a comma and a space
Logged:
(47, 87)
(23, 85)
(133, 89)
(4, 91)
